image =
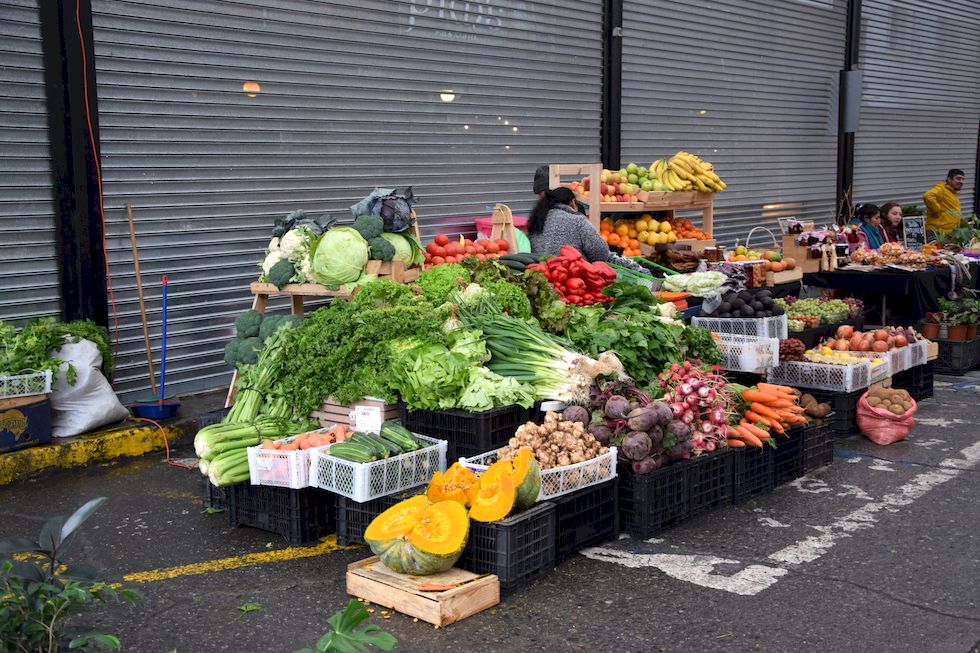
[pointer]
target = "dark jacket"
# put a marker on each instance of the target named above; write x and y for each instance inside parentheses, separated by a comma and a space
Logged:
(563, 226)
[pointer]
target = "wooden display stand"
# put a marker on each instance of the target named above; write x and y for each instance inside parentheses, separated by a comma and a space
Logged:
(467, 593)
(646, 201)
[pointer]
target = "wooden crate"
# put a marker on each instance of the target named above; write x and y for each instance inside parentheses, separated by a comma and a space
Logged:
(932, 351)
(469, 593)
(786, 276)
(696, 245)
(331, 412)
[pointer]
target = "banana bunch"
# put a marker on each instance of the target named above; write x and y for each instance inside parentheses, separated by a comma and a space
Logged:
(685, 171)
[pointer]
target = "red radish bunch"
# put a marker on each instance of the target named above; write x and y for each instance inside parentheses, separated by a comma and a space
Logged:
(444, 250)
(576, 280)
(698, 398)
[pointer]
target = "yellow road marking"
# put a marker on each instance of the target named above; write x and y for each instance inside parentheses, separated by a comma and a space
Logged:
(326, 545)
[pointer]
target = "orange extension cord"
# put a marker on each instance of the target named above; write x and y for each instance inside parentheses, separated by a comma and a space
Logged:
(166, 444)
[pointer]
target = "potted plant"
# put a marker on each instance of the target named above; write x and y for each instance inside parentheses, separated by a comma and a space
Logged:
(955, 318)
(930, 328)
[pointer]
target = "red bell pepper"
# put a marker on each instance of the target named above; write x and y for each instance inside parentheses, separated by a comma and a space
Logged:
(570, 253)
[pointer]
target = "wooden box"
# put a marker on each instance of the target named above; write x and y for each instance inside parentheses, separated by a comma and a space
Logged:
(786, 276)
(802, 255)
(467, 593)
(933, 351)
(360, 415)
(696, 245)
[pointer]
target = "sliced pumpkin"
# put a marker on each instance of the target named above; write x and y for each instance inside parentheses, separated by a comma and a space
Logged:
(456, 484)
(496, 496)
(420, 538)
(524, 471)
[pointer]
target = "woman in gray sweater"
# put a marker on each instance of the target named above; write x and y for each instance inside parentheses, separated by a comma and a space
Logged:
(555, 221)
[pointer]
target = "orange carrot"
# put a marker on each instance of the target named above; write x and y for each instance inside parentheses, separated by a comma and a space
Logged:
(764, 410)
(268, 444)
(777, 427)
(756, 431)
(792, 419)
(761, 397)
(289, 446)
(755, 417)
(773, 388)
(782, 403)
(735, 444)
(746, 436)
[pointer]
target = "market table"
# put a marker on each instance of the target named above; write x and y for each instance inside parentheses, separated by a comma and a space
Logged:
(911, 294)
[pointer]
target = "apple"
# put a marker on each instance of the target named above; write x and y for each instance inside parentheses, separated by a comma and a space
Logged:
(604, 176)
(631, 168)
(632, 178)
(647, 185)
(623, 188)
(641, 172)
(624, 173)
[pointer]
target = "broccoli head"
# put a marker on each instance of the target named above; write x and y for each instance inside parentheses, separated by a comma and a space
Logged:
(247, 324)
(271, 324)
(381, 249)
(369, 226)
(248, 351)
(281, 273)
(231, 352)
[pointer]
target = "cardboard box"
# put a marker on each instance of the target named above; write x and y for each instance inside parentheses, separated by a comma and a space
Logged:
(24, 422)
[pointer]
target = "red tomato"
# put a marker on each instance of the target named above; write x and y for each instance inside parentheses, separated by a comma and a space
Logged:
(452, 259)
(492, 247)
(442, 239)
(467, 242)
(481, 245)
(470, 250)
(431, 248)
(482, 257)
(503, 245)
(438, 260)
(428, 257)
(440, 251)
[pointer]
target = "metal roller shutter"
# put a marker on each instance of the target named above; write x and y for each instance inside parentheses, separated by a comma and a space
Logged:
(750, 87)
(921, 99)
(350, 98)
(31, 284)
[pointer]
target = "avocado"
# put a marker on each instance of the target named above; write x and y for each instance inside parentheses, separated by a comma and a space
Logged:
(725, 307)
(745, 296)
(756, 305)
(777, 310)
(748, 311)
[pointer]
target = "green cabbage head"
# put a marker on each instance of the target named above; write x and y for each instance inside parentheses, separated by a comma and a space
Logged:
(339, 258)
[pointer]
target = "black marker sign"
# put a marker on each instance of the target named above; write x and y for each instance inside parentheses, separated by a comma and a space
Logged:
(915, 232)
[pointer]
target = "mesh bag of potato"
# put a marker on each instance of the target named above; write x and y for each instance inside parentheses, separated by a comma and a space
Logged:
(885, 415)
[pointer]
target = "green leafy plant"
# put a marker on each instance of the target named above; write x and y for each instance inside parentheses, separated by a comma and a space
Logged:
(31, 348)
(911, 210)
(350, 635)
(40, 594)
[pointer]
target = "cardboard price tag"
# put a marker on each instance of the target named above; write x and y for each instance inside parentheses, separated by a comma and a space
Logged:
(367, 419)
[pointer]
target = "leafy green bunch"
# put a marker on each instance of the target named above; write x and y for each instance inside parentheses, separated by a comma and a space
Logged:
(31, 348)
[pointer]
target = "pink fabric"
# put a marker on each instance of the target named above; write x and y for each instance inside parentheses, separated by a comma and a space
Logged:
(883, 426)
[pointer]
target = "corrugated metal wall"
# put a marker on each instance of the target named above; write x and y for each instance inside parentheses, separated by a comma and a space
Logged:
(350, 98)
(750, 87)
(921, 99)
(30, 285)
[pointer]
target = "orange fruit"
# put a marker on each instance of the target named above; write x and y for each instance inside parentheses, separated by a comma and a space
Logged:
(623, 230)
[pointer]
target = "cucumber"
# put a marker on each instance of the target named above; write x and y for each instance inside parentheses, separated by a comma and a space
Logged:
(351, 452)
(365, 440)
(522, 257)
(392, 448)
(398, 435)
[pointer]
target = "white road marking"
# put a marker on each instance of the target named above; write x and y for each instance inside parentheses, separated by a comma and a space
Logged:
(697, 569)
(854, 491)
(882, 465)
(812, 485)
(654, 540)
(815, 546)
(930, 443)
(772, 523)
(938, 421)
(855, 459)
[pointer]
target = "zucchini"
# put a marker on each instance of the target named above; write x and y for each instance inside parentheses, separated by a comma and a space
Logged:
(393, 449)
(522, 257)
(351, 452)
(365, 440)
(399, 436)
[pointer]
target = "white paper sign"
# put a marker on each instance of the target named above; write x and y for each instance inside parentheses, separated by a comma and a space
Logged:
(366, 418)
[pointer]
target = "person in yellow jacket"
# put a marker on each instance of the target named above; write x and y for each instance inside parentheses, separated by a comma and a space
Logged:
(943, 204)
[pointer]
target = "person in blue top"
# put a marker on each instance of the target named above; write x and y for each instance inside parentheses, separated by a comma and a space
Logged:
(868, 220)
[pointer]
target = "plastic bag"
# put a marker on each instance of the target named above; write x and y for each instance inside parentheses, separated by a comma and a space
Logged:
(884, 426)
(88, 404)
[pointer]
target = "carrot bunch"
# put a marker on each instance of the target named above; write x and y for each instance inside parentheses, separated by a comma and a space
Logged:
(769, 409)
(309, 440)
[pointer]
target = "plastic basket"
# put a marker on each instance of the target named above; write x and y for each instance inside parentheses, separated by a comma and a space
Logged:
(281, 468)
(353, 517)
(818, 444)
(898, 358)
(957, 357)
(24, 385)
(559, 481)
(517, 549)
(366, 481)
(710, 477)
(746, 353)
(843, 421)
(214, 497)
(918, 353)
(640, 279)
(212, 418)
(651, 503)
(300, 516)
(467, 434)
(585, 518)
(752, 472)
(823, 376)
(787, 458)
(922, 382)
(756, 327)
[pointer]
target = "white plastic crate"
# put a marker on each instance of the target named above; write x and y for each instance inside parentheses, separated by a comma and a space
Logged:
(918, 353)
(365, 481)
(756, 327)
(281, 468)
(898, 358)
(747, 354)
(23, 385)
(559, 480)
(823, 376)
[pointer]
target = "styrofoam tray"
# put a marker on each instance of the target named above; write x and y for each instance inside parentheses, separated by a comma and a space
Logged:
(757, 327)
(281, 468)
(746, 353)
(559, 480)
(365, 481)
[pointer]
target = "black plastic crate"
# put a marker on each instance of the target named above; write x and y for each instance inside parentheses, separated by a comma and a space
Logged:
(585, 517)
(468, 434)
(517, 549)
(353, 517)
(651, 503)
(957, 357)
(752, 472)
(787, 459)
(300, 516)
(818, 444)
(710, 479)
(213, 496)
(904, 380)
(922, 381)
(843, 421)
(214, 417)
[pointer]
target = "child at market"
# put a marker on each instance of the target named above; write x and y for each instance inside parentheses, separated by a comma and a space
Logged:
(892, 225)
(868, 219)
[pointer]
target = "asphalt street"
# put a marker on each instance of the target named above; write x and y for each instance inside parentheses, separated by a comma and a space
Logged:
(878, 552)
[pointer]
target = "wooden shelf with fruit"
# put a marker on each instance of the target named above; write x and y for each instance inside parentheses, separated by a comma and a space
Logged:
(632, 199)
